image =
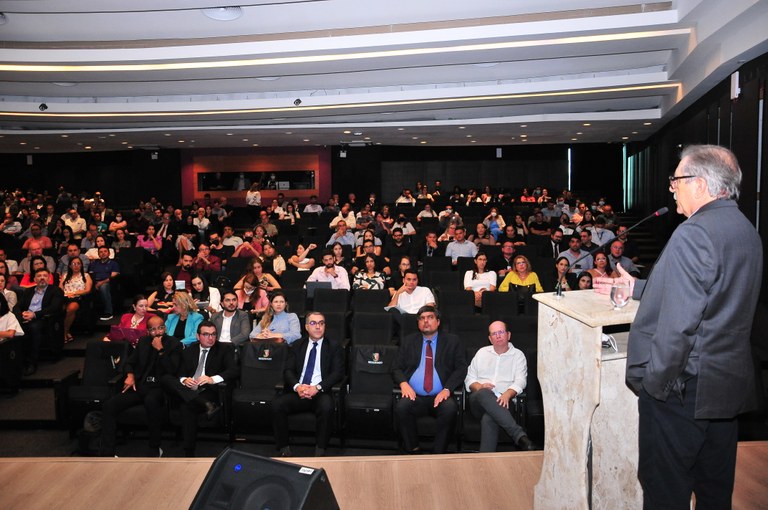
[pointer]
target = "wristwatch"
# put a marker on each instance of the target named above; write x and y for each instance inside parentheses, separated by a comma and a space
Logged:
(319, 388)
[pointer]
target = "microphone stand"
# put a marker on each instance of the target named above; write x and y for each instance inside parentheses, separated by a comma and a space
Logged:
(559, 287)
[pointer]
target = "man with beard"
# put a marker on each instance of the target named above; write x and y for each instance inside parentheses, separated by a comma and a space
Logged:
(330, 272)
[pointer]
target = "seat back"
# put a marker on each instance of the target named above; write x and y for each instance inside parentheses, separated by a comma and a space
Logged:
(455, 302)
(331, 300)
(370, 370)
(370, 300)
(372, 328)
(103, 361)
(262, 364)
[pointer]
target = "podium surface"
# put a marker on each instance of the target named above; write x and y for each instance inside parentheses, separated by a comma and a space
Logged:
(587, 405)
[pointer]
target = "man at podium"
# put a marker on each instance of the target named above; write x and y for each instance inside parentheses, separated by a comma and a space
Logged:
(688, 356)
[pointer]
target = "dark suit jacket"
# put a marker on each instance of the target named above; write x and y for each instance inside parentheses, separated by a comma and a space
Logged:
(53, 302)
(546, 250)
(450, 359)
(239, 328)
(696, 314)
(220, 361)
(420, 251)
(140, 362)
(331, 363)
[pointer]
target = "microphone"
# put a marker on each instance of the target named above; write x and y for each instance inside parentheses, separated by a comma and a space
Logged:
(659, 212)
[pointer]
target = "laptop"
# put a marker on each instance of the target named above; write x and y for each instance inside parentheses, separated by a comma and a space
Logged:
(312, 286)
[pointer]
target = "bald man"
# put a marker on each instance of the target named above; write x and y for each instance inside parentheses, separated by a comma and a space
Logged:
(496, 375)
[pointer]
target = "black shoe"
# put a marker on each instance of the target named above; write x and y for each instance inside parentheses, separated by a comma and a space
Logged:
(285, 451)
(525, 444)
(211, 409)
(30, 369)
(319, 452)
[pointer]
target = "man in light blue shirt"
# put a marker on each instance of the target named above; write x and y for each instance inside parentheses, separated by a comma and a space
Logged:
(342, 235)
(460, 247)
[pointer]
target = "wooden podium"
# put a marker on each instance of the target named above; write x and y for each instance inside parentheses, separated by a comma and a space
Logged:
(585, 399)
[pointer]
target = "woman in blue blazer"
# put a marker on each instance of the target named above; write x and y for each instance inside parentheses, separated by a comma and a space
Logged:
(183, 322)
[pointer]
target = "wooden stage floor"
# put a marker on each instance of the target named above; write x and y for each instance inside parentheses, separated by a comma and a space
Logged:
(477, 481)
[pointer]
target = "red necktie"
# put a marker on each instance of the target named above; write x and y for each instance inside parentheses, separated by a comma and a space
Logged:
(428, 368)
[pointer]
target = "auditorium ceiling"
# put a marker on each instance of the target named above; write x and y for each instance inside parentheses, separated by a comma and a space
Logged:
(78, 75)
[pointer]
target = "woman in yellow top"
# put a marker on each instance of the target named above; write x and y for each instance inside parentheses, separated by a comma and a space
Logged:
(521, 274)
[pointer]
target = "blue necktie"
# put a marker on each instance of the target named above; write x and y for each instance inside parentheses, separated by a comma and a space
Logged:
(310, 365)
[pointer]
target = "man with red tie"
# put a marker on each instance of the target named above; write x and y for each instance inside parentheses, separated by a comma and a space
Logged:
(429, 367)
(314, 365)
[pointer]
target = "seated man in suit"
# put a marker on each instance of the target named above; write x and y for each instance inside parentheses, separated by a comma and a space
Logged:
(204, 365)
(429, 367)
(496, 375)
(233, 324)
(155, 356)
(36, 307)
(314, 365)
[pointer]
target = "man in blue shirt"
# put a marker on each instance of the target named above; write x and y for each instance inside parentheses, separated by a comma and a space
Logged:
(102, 271)
(342, 235)
(460, 247)
(429, 367)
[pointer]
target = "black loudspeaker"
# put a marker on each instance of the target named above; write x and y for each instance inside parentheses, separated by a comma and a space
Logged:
(239, 480)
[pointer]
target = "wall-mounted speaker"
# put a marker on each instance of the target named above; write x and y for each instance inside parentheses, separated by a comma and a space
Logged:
(239, 480)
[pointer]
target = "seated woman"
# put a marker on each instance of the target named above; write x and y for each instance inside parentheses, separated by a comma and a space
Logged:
(137, 319)
(9, 323)
(10, 281)
(495, 222)
(302, 261)
(35, 263)
(479, 280)
(119, 223)
(367, 235)
(449, 233)
(77, 285)
(587, 221)
(370, 279)
(161, 300)
(521, 275)
(601, 267)
(149, 241)
(202, 294)
(263, 280)
(561, 275)
(384, 222)
(120, 241)
(427, 212)
(584, 281)
(566, 226)
(67, 237)
(93, 253)
(338, 256)
(260, 235)
(487, 195)
(183, 322)
(10, 296)
(290, 213)
(273, 261)
(255, 299)
(277, 324)
(526, 196)
(249, 248)
(482, 236)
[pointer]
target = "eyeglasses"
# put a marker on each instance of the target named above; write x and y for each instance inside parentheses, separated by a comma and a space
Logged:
(208, 335)
(499, 333)
(673, 179)
(158, 328)
(316, 323)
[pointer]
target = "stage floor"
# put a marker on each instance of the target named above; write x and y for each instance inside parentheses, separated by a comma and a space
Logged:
(477, 481)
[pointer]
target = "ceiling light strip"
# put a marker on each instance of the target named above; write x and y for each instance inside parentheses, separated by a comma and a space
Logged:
(378, 104)
(39, 68)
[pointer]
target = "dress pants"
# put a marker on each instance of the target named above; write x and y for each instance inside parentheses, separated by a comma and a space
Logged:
(191, 408)
(408, 411)
(680, 455)
(34, 331)
(290, 403)
(153, 399)
(492, 416)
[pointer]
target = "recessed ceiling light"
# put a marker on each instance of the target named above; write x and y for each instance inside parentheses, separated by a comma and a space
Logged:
(306, 139)
(579, 133)
(358, 133)
(486, 64)
(130, 147)
(64, 83)
(347, 132)
(414, 138)
(586, 124)
(111, 135)
(166, 134)
(37, 148)
(223, 13)
(400, 129)
(523, 125)
(469, 136)
(625, 138)
(473, 141)
(102, 137)
(255, 144)
(124, 143)
(289, 132)
(230, 134)
(574, 139)
(423, 141)
(22, 143)
(647, 123)
(268, 78)
(523, 136)
(181, 141)
(87, 147)
(65, 136)
(462, 127)
(245, 140)
(634, 132)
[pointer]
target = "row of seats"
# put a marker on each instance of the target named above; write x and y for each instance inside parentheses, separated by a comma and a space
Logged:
(364, 401)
